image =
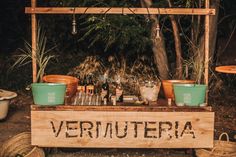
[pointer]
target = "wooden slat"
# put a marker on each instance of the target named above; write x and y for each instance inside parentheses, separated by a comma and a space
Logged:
(122, 129)
(112, 10)
(207, 38)
(121, 108)
(34, 38)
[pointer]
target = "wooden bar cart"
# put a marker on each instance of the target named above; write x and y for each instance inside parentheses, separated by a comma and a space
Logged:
(125, 125)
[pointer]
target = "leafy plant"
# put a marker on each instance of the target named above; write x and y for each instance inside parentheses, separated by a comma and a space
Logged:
(122, 32)
(194, 68)
(90, 65)
(42, 54)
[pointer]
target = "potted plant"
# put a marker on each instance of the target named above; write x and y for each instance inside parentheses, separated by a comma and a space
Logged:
(43, 93)
(191, 93)
(168, 87)
(42, 54)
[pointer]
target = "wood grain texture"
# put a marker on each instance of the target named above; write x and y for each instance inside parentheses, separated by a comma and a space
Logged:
(116, 10)
(121, 108)
(99, 129)
(34, 41)
(207, 48)
(158, 106)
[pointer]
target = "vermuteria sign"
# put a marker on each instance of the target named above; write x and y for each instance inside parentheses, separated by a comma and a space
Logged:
(107, 129)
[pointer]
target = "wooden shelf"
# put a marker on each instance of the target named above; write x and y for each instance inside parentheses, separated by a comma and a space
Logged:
(160, 106)
(121, 108)
(118, 10)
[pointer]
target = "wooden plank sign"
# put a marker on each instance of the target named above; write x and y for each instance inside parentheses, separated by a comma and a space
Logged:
(107, 129)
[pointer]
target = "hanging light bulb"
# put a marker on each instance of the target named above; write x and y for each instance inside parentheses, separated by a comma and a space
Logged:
(157, 31)
(74, 24)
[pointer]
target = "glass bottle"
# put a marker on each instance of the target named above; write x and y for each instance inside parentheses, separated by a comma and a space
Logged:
(81, 87)
(105, 90)
(90, 86)
(85, 83)
(119, 90)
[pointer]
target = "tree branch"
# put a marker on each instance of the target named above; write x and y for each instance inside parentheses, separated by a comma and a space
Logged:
(178, 49)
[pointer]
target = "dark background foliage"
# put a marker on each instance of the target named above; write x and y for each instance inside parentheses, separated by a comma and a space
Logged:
(125, 35)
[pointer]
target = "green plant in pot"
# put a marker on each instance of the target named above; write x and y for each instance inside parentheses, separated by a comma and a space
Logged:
(169, 89)
(191, 94)
(43, 56)
(194, 68)
(43, 93)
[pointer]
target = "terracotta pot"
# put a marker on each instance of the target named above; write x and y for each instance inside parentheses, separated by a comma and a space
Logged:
(168, 87)
(71, 82)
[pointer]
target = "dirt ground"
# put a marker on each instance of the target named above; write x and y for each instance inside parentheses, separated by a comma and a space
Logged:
(18, 120)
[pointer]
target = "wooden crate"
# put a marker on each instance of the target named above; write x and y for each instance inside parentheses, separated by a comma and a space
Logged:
(122, 126)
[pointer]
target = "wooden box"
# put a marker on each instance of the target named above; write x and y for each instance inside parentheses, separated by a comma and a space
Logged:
(122, 126)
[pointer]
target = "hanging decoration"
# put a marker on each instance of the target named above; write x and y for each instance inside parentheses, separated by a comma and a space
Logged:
(158, 31)
(74, 24)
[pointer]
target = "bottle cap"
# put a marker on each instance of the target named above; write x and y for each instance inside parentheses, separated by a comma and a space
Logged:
(105, 101)
(114, 101)
(169, 101)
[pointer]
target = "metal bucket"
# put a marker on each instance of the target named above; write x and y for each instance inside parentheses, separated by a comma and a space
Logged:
(48, 93)
(189, 94)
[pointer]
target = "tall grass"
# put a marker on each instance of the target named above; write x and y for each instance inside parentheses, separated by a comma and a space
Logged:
(194, 69)
(42, 55)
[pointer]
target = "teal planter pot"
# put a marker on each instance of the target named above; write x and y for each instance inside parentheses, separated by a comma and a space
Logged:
(189, 94)
(48, 93)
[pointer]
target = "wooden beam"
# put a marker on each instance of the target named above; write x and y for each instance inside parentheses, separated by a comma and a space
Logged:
(34, 42)
(127, 108)
(207, 38)
(116, 10)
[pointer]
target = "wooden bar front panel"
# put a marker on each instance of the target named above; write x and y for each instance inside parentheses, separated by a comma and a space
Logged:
(107, 129)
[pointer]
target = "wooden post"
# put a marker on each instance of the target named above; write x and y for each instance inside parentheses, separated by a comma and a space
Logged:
(34, 42)
(207, 37)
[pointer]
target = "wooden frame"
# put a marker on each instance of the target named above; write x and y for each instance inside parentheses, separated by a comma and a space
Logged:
(33, 10)
(34, 42)
(48, 122)
(206, 50)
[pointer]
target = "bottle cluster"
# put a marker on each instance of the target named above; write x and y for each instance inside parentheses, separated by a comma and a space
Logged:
(88, 93)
